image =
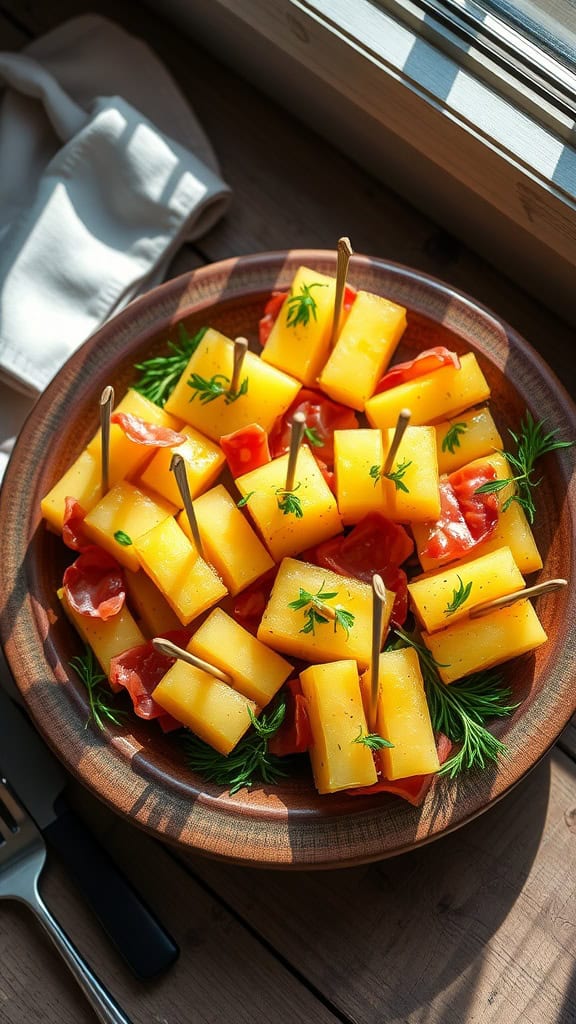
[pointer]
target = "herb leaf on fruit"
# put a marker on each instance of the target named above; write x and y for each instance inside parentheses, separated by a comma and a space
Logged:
(250, 761)
(121, 537)
(396, 476)
(302, 306)
(318, 612)
(531, 442)
(461, 710)
(218, 386)
(160, 374)
(452, 437)
(100, 699)
(372, 740)
(289, 503)
(460, 595)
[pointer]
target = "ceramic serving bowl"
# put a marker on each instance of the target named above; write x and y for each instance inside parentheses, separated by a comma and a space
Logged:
(141, 773)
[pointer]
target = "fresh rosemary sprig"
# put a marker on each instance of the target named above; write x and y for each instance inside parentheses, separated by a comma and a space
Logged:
(102, 709)
(461, 710)
(302, 306)
(289, 503)
(313, 437)
(217, 386)
(318, 612)
(248, 762)
(372, 740)
(452, 437)
(161, 373)
(460, 595)
(531, 443)
(395, 476)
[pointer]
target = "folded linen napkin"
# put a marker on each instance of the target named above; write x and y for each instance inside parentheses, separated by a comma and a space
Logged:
(104, 173)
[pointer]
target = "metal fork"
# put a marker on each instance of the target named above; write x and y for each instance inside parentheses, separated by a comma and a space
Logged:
(22, 857)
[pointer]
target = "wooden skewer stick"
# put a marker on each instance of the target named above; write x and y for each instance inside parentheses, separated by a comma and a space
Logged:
(240, 350)
(173, 651)
(296, 435)
(178, 467)
(520, 595)
(106, 406)
(403, 421)
(378, 603)
(344, 253)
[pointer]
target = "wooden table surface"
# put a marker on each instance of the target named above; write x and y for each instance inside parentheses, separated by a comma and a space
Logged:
(478, 927)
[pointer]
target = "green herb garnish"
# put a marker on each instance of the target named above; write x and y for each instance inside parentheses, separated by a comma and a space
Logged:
(461, 710)
(531, 443)
(244, 501)
(217, 386)
(372, 740)
(313, 437)
(248, 762)
(460, 594)
(303, 306)
(289, 503)
(452, 437)
(318, 612)
(376, 473)
(161, 373)
(102, 709)
(122, 538)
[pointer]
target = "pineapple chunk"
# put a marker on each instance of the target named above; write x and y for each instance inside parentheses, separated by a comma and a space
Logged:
(286, 533)
(355, 453)
(255, 670)
(82, 481)
(123, 515)
(107, 637)
(203, 460)
(403, 716)
(229, 542)
(153, 611)
(216, 712)
(432, 397)
(189, 585)
(363, 350)
(466, 437)
(269, 392)
(127, 457)
(302, 348)
(337, 720)
(473, 645)
(282, 627)
(490, 576)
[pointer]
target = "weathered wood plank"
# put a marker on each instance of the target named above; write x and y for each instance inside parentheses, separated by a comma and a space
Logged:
(479, 926)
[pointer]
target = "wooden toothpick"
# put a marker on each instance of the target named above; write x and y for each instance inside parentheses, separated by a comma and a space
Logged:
(344, 253)
(378, 603)
(403, 421)
(173, 651)
(240, 350)
(296, 435)
(178, 467)
(106, 406)
(520, 595)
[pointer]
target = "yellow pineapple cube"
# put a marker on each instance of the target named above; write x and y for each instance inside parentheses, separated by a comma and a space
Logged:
(107, 637)
(255, 670)
(82, 481)
(189, 585)
(465, 438)
(337, 721)
(403, 717)
(214, 711)
(127, 457)
(363, 350)
(355, 453)
(300, 344)
(123, 515)
(152, 609)
(269, 392)
(440, 599)
(229, 542)
(287, 533)
(289, 629)
(432, 397)
(203, 460)
(473, 645)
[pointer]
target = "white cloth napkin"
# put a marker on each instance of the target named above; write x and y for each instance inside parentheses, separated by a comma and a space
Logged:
(104, 172)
